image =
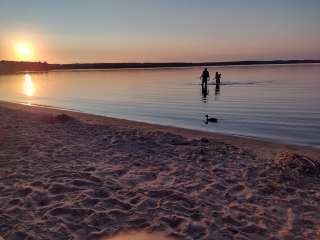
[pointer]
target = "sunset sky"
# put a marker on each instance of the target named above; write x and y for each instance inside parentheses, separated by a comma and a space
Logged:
(66, 31)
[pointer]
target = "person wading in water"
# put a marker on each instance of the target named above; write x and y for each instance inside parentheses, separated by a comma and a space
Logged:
(218, 78)
(205, 76)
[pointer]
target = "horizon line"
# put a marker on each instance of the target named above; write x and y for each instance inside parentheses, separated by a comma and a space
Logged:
(24, 66)
(168, 62)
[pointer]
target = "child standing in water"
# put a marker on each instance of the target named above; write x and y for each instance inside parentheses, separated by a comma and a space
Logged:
(218, 78)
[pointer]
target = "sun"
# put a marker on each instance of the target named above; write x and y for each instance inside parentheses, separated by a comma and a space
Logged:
(23, 51)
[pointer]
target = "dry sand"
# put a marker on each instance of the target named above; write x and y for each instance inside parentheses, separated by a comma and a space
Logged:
(79, 176)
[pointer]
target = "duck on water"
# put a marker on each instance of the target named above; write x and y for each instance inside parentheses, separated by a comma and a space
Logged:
(214, 120)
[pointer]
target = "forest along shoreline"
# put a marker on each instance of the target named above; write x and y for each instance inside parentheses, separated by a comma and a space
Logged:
(7, 67)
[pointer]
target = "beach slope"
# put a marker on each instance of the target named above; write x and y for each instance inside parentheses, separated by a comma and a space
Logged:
(68, 175)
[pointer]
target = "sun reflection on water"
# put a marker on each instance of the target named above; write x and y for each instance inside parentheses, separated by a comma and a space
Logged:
(28, 85)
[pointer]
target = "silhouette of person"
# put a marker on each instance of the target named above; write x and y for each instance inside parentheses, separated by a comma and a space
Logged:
(218, 78)
(205, 77)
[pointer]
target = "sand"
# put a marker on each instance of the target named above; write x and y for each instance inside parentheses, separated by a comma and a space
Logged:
(68, 175)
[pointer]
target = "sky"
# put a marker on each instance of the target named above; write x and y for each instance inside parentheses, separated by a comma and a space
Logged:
(73, 31)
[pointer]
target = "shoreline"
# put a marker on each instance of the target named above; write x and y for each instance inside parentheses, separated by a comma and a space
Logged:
(262, 144)
(16, 67)
(71, 175)
(229, 135)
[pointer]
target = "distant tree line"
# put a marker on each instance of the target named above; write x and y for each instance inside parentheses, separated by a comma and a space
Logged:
(13, 66)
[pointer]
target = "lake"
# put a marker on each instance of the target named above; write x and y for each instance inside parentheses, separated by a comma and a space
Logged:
(280, 103)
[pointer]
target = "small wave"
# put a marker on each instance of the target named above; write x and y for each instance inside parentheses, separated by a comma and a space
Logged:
(230, 83)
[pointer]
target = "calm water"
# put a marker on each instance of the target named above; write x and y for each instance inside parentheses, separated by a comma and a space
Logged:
(274, 102)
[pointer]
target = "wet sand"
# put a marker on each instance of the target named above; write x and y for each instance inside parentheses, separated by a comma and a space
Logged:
(68, 175)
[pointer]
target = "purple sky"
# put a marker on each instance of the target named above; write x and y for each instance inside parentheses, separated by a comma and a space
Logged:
(165, 30)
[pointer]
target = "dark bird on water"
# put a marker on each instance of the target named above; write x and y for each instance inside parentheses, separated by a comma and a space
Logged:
(211, 119)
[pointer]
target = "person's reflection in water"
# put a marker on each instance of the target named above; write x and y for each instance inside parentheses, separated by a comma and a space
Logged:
(217, 92)
(205, 93)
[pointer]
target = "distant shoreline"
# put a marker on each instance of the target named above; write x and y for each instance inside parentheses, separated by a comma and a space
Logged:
(14, 66)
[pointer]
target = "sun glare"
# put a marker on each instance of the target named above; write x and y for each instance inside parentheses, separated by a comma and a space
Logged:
(24, 51)
(28, 86)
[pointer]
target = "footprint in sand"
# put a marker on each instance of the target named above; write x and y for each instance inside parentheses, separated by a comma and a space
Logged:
(113, 202)
(71, 214)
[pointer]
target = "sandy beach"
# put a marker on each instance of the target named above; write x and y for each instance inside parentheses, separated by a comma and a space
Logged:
(69, 175)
